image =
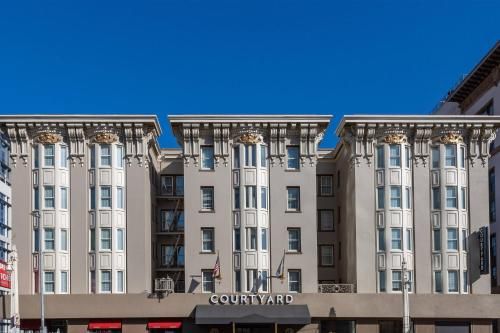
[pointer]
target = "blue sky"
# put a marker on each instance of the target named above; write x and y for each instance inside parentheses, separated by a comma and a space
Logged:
(179, 57)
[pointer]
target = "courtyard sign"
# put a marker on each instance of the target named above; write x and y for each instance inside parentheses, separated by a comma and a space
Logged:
(252, 299)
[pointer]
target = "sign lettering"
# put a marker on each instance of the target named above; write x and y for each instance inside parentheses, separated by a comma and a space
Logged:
(252, 299)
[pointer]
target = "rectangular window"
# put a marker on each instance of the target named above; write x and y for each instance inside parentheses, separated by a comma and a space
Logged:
(395, 197)
(208, 240)
(167, 255)
(451, 155)
(179, 185)
(180, 256)
(105, 281)
(237, 239)
(326, 220)
(237, 198)
(48, 155)
(251, 242)
(436, 198)
(120, 198)
(465, 282)
(382, 281)
(36, 198)
(252, 282)
(64, 240)
(36, 157)
(250, 155)
(435, 157)
(263, 239)
(250, 197)
(409, 240)
(438, 282)
(397, 283)
(49, 239)
(237, 281)
(463, 198)
(64, 282)
(263, 156)
(380, 198)
(294, 283)
(92, 198)
(36, 240)
(64, 198)
(492, 185)
(236, 157)
(462, 157)
(264, 281)
(326, 255)
(453, 281)
(407, 157)
(396, 239)
(407, 198)
(293, 196)
(465, 246)
(395, 155)
(120, 155)
(292, 153)
(120, 282)
(207, 198)
(381, 239)
(64, 157)
(207, 279)
(49, 282)
(120, 239)
(167, 185)
(207, 157)
(294, 240)
(452, 238)
(105, 155)
(451, 197)
(263, 197)
(380, 157)
(105, 196)
(49, 199)
(92, 239)
(92, 157)
(105, 239)
(436, 239)
(325, 186)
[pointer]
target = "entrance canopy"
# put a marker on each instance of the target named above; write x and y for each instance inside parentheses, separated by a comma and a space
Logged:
(252, 314)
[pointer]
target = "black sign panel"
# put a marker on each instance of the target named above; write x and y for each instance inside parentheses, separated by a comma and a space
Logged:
(484, 262)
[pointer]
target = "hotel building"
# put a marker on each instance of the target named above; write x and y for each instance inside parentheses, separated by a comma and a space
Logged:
(249, 226)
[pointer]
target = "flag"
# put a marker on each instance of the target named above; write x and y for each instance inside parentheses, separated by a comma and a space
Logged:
(216, 271)
(281, 268)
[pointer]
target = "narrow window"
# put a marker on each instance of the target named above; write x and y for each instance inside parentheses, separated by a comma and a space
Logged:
(294, 240)
(252, 280)
(36, 157)
(380, 157)
(49, 239)
(207, 239)
(452, 281)
(207, 157)
(407, 198)
(207, 198)
(292, 153)
(452, 238)
(397, 282)
(326, 253)
(438, 282)
(492, 185)
(49, 199)
(236, 198)
(325, 186)
(237, 239)
(64, 282)
(381, 281)
(120, 239)
(263, 239)
(381, 239)
(465, 282)
(250, 155)
(380, 198)
(36, 198)
(105, 196)
(463, 201)
(435, 157)
(407, 157)
(120, 155)
(250, 197)
(293, 195)
(436, 239)
(396, 239)
(105, 239)
(236, 157)
(462, 157)
(92, 198)
(64, 198)
(263, 197)
(167, 185)
(64, 157)
(120, 198)
(105, 155)
(409, 240)
(395, 197)
(92, 239)
(294, 283)
(436, 198)
(92, 157)
(264, 281)
(326, 220)
(395, 155)
(120, 282)
(263, 156)
(49, 282)
(64, 240)
(237, 281)
(179, 185)
(207, 279)
(465, 246)
(48, 155)
(451, 197)
(451, 155)
(251, 239)
(105, 281)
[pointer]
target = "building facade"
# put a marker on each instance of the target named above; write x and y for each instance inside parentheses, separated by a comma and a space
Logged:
(249, 226)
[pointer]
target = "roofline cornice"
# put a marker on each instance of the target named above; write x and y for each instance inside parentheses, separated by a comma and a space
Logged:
(278, 118)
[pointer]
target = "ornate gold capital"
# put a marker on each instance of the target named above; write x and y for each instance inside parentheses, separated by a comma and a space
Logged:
(451, 138)
(105, 138)
(395, 138)
(48, 138)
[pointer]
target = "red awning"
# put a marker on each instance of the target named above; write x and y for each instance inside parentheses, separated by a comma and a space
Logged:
(30, 324)
(152, 325)
(105, 325)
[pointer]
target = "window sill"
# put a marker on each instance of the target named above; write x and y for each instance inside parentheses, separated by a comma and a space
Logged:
(206, 170)
(292, 170)
(293, 211)
(293, 252)
(206, 211)
(207, 252)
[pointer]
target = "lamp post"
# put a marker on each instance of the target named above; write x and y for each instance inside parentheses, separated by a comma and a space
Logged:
(36, 214)
(406, 303)
(14, 305)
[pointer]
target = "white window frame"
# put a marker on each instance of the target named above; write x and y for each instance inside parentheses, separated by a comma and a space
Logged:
(63, 283)
(397, 280)
(251, 238)
(292, 281)
(105, 240)
(396, 242)
(120, 239)
(263, 156)
(452, 240)
(263, 197)
(450, 155)
(294, 240)
(49, 240)
(47, 197)
(51, 158)
(209, 204)
(380, 151)
(250, 196)
(435, 157)
(292, 162)
(63, 235)
(63, 152)
(456, 287)
(380, 197)
(236, 157)
(252, 280)
(106, 282)
(250, 155)
(264, 239)
(120, 281)
(103, 199)
(395, 156)
(293, 204)
(207, 157)
(326, 255)
(396, 198)
(49, 281)
(207, 278)
(120, 198)
(325, 185)
(208, 240)
(451, 197)
(105, 160)
(120, 156)
(64, 197)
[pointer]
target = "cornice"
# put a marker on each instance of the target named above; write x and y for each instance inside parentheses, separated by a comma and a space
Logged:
(239, 119)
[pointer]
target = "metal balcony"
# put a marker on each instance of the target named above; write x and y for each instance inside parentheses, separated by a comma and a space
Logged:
(336, 288)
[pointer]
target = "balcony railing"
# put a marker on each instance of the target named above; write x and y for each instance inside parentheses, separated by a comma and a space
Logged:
(336, 288)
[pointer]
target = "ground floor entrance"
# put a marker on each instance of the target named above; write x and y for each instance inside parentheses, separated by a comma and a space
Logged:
(263, 328)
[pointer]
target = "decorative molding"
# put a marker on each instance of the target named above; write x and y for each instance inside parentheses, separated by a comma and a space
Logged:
(451, 138)
(395, 138)
(421, 145)
(48, 138)
(103, 135)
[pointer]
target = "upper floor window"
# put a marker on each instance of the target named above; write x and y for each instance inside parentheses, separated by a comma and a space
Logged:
(450, 155)
(294, 240)
(293, 198)
(325, 220)
(236, 157)
(436, 240)
(438, 282)
(105, 281)
(207, 198)
(463, 200)
(453, 281)
(64, 157)
(49, 197)
(64, 198)
(120, 285)
(120, 156)
(325, 185)
(395, 155)
(263, 239)
(326, 255)
(64, 282)
(462, 157)
(435, 157)
(397, 281)
(436, 198)
(396, 242)
(452, 235)
(294, 281)
(263, 197)
(105, 238)
(207, 157)
(395, 197)
(263, 156)
(120, 198)
(251, 243)
(451, 197)
(407, 197)
(381, 281)
(292, 153)
(92, 156)
(170, 221)
(105, 155)
(237, 239)
(250, 155)
(49, 239)
(380, 198)
(491, 186)
(49, 282)
(407, 157)
(207, 281)
(380, 157)
(106, 197)
(381, 239)
(208, 240)
(48, 155)
(64, 240)
(172, 185)
(250, 197)
(120, 239)
(237, 198)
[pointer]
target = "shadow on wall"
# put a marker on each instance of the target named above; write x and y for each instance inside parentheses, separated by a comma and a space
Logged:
(474, 257)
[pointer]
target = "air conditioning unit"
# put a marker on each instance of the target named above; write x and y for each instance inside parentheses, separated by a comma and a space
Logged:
(164, 285)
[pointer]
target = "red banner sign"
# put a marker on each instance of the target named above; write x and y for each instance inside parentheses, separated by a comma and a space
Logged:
(4, 275)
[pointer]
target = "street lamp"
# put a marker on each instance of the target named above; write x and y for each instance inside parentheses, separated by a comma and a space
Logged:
(14, 305)
(406, 303)
(36, 214)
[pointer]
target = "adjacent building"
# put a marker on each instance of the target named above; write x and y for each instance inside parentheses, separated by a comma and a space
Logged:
(249, 226)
